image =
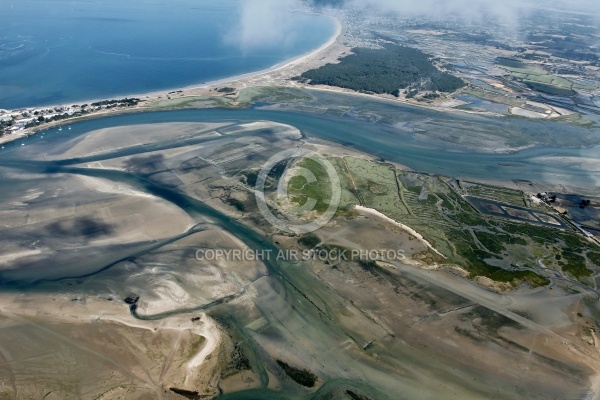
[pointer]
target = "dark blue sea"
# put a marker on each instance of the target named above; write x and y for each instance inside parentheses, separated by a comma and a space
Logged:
(59, 51)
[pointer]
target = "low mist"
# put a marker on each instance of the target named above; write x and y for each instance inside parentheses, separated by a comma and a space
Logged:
(268, 23)
(263, 24)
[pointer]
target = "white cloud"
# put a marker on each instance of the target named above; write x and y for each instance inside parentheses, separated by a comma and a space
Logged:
(506, 12)
(473, 7)
(264, 24)
(470, 10)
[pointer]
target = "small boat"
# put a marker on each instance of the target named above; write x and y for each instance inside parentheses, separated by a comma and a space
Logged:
(22, 144)
(69, 128)
(60, 129)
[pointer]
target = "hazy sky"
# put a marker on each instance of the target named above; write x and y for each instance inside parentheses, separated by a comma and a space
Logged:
(265, 23)
(506, 12)
(471, 7)
(473, 11)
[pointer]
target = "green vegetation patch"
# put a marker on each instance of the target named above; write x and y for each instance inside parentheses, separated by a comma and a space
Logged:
(309, 240)
(496, 98)
(384, 71)
(273, 94)
(552, 80)
(594, 257)
(303, 189)
(237, 204)
(510, 62)
(372, 183)
(356, 396)
(301, 376)
(493, 242)
(496, 248)
(537, 78)
(249, 178)
(550, 89)
(574, 264)
(238, 362)
(194, 102)
(504, 195)
(475, 262)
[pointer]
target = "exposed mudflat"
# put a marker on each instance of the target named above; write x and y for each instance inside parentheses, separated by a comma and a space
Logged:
(121, 219)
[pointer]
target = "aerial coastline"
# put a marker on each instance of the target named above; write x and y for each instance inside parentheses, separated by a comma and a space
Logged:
(397, 211)
(278, 74)
(228, 93)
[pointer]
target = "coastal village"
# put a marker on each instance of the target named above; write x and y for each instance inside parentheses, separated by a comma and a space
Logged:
(17, 121)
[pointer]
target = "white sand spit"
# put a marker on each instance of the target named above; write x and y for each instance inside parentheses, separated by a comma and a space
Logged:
(408, 229)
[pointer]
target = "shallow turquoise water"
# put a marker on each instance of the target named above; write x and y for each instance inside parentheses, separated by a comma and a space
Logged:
(535, 164)
(59, 51)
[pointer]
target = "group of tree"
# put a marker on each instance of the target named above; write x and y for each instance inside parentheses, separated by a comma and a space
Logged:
(84, 109)
(4, 125)
(56, 117)
(384, 71)
(126, 102)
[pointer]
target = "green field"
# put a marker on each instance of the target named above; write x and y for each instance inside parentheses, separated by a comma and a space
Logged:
(537, 78)
(549, 89)
(302, 190)
(244, 98)
(504, 195)
(273, 94)
(496, 98)
(497, 248)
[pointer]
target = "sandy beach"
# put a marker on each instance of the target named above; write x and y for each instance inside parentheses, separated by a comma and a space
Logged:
(268, 73)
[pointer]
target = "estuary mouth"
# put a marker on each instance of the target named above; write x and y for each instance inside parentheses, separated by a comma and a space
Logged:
(299, 199)
(158, 237)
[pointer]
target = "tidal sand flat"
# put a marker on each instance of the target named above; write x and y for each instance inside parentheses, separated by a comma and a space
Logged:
(160, 319)
(89, 348)
(82, 223)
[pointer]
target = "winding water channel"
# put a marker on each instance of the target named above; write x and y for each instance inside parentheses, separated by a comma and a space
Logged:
(295, 302)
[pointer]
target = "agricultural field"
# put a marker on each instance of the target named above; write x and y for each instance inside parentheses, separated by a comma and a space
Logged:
(504, 195)
(537, 78)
